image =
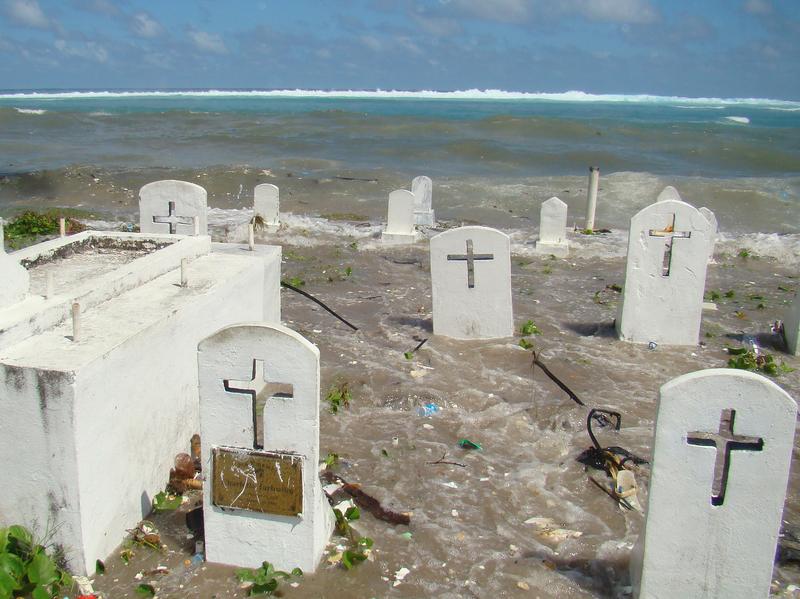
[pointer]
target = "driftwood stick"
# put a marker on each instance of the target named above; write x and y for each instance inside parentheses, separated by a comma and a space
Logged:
(441, 460)
(315, 300)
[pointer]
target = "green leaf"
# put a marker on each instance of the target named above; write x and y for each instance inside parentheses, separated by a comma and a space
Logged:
(41, 592)
(42, 570)
(8, 584)
(365, 542)
(163, 502)
(21, 535)
(245, 575)
(3, 539)
(297, 572)
(99, 567)
(146, 590)
(352, 513)
(525, 344)
(346, 562)
(409, 355)
(266, 588)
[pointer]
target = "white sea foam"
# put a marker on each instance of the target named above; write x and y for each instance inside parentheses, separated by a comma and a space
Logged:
(30, 110)
(469, 94)
(785, 248)
(743, 120)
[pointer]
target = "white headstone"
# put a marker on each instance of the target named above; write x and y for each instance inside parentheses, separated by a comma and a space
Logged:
(553, 228)
(262, 497)
(665, 275)
(14, 278)
(266, 203)
(669, 193)
(791, 327)
(422, 188)
(170, 207)
(471, 283)
(712, 238)
(400, 223)
(721, 455)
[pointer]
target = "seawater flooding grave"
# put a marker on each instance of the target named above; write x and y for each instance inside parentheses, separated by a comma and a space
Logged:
(722, 450)
(422, 188)
(102, 417)
(471, 283)
(665, 275)
(553, 228)
(400, 219)
(259, 419)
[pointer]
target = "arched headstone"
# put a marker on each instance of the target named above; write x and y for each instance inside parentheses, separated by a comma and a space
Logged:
(669, 193)
(665, 275)
(422, 188)
(259, 421)
(721, 455)
(712, 237)
(400, 221)
(171, 206)
(471, 283)
(266, 203)
(553, 228)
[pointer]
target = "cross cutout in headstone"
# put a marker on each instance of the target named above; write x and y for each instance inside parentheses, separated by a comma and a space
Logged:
(669, 234)
(172, 219)
(724, 441)
(260, 391)
(470, 258)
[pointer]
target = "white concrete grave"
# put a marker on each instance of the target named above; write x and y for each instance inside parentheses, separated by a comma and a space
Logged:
(669, 193)
(665, 275)
(422, 188)
(721, 454)
(553, 228)
(791, 327)
(259, 421)
(101, 417)
(266, 203)
(400, 223)
(712, 237)
(471, 283)
(14, 279)
(171, 207)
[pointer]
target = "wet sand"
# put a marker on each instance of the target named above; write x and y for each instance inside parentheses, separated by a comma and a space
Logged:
(469, 538)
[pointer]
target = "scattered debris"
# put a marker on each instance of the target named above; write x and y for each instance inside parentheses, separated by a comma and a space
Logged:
(316, 301)
(467, 444)
(441, 460)
(367, 502)
(400, 575)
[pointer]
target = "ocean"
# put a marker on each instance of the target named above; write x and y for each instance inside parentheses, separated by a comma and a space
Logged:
(493, 157)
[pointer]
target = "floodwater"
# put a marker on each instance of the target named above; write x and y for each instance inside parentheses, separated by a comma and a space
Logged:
(468, 532)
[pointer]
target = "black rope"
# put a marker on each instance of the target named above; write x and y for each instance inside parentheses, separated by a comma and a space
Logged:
(315, 300)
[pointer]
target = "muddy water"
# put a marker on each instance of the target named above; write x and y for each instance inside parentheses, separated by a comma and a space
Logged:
(468, 531)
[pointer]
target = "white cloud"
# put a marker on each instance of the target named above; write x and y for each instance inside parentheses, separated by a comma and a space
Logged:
(144, 25)
(506, 11)
(208, 42)
(617, 11)
(520, 11)
(27, 13)
(86, 50)
(372, 43)
(758, 7)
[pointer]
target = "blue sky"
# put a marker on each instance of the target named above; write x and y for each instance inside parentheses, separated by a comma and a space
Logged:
(728, 48)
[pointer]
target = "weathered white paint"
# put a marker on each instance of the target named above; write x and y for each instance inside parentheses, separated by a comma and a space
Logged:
(290, 425)
(591, 197)
(422, 188)
(669, 193)
(791, 327)
(712, 237)
(266, 203)
(690, 547)
(189, 200)
(553, 228)
(480, 312)
(659, 307)
(400, 222)
(111, 411)
(14, 280)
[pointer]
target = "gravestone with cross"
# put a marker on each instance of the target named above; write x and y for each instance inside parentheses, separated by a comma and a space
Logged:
(553, 228)
(669, 193)
(665, 275)
(471, 283)
(14, 279)
(422, 188)
(791, 327)
(400, 222)
(171, 207)
(721, 455)
(266, 203)
(259, 421)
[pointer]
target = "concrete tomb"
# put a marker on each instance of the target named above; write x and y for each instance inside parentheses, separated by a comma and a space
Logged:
(266, 203)
(712, 237)
(721, 455)
(665, 275)
(101, 417)
(669, 193)
(422, 188)
(171, 207)
(400, 224)
(791, 327)
(14, 279)
(553, 228)
(471, 283)
(259, 421)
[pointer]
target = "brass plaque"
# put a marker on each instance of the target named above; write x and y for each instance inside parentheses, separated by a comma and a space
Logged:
(259, 481)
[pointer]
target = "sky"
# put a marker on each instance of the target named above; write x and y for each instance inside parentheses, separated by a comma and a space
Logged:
(711, 48)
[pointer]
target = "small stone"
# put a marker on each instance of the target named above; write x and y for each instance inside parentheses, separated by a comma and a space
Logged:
(523, 585)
